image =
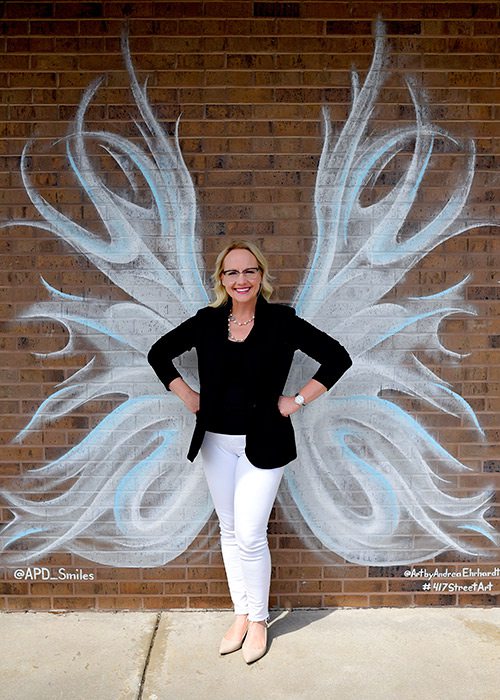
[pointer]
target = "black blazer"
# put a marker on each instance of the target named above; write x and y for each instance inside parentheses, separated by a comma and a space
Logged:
(279, 332)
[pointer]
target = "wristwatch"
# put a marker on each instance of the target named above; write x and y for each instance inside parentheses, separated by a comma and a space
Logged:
(300, 400)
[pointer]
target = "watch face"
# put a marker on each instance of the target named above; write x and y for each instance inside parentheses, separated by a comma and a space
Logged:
(299, 399)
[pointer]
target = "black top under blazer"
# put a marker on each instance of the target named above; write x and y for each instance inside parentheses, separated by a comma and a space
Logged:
(277, 333)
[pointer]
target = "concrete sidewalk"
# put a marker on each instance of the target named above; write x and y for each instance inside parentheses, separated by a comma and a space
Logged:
(346, 654)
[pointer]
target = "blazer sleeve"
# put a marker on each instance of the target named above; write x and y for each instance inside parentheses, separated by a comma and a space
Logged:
(333, 358)
(173, 344)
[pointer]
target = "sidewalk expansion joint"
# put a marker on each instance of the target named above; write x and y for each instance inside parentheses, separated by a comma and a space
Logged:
(148, 656)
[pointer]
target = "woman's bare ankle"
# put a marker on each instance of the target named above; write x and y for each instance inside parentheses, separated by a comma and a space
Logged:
(238, 627)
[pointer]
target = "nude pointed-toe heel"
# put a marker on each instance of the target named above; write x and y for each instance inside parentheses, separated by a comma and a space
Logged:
(227, 646)
(251, 654)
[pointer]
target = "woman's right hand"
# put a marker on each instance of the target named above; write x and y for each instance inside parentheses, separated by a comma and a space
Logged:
(192, 402)
(188, 396)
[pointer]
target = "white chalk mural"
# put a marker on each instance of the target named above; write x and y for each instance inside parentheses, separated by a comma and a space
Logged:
(368, 481)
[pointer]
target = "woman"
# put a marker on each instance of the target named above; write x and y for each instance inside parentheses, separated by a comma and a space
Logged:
(245, 347)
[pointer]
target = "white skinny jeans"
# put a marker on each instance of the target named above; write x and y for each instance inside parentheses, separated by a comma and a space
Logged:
(243, 497)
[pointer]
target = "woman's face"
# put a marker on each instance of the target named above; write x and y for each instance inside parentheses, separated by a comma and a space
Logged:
(241, 287)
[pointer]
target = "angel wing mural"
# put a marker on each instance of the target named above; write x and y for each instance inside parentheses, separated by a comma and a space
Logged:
(366, 481)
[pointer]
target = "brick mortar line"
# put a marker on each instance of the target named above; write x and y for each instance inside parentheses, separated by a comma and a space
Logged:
(219, 53)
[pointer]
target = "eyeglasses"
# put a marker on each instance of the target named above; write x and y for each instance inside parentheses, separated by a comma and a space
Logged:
(250, 273)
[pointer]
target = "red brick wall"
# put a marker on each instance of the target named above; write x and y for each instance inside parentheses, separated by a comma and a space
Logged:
(250, 80)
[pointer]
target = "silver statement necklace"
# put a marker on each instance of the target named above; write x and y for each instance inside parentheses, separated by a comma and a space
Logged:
(232, 319)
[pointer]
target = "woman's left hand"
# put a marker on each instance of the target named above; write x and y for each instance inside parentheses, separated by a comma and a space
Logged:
(287, 405)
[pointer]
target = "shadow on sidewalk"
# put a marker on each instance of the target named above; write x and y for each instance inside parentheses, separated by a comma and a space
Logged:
(289, 621)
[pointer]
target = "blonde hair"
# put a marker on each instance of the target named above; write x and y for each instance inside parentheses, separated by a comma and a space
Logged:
(266, 288)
